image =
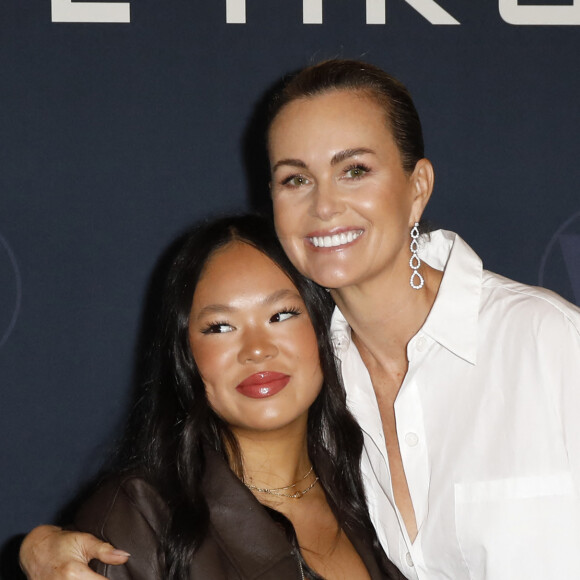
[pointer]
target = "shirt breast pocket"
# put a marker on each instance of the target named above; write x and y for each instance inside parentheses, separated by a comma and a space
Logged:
(519, 528)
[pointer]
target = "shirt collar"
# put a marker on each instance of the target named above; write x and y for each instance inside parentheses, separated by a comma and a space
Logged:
(452, 321)
(339, 331)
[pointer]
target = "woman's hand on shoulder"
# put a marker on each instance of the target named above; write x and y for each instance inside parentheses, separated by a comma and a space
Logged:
(50, 553)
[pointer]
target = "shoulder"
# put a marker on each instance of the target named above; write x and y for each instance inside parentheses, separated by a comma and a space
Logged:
(126, 511)
(121, 505)
(527, 306)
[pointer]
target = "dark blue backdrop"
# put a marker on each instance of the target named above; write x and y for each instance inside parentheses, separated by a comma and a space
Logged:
(115, 136)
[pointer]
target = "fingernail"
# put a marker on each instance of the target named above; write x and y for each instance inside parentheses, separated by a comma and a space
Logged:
(121, 553)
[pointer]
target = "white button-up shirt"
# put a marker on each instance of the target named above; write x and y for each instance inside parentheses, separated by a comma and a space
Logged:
(488, 422)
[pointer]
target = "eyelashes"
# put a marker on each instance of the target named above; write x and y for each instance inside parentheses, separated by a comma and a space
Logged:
(216, 328)
(356, 170)
(285, 314)
(295, 180)
(223, 326)
(353, 171)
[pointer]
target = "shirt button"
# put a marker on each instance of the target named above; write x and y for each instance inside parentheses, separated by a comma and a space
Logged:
(411, 439)
(409, 559)
(421, 343)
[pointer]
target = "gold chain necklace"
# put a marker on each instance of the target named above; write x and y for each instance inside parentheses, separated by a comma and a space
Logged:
(279, 490)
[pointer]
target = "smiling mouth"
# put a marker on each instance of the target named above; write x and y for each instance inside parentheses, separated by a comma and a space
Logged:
(335, 240)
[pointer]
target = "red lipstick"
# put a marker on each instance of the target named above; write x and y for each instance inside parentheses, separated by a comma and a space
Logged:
(263, 384)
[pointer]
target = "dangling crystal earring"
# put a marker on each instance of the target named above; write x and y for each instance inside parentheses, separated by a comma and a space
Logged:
(416, 280)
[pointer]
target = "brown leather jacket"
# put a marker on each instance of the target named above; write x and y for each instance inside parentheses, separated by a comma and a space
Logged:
(243, 542)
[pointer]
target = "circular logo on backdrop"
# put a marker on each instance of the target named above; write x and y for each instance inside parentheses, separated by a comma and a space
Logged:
(10, 290)
(560, 265)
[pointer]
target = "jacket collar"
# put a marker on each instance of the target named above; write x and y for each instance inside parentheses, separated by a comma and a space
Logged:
(256, 545)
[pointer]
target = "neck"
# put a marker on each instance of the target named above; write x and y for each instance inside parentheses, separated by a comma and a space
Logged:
(385, 313)
(274, 459)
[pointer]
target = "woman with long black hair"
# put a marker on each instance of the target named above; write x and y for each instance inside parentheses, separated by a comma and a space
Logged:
(240, 459)
(465, 383)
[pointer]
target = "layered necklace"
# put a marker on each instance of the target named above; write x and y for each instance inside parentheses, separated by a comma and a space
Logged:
(280, 491)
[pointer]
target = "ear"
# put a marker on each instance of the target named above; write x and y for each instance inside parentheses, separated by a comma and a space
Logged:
(422, 180)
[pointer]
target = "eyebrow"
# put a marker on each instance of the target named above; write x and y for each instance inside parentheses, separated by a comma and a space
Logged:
(273, 298)
(338, 157)
(290, 162)
(348, 153)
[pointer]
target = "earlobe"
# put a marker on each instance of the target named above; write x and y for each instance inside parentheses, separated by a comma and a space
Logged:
(423, 180)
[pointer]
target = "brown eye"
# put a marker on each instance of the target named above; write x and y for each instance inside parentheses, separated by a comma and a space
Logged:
(284, 315)
(217, 328)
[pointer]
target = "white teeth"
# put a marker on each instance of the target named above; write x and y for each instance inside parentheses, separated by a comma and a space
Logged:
(335, 240)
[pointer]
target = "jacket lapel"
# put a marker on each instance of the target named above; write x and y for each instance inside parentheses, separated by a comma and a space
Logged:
(256, 546)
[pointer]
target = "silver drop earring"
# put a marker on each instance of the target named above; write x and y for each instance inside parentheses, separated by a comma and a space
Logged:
(416, 280)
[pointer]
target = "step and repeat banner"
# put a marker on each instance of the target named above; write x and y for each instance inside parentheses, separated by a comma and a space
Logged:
(122, 123)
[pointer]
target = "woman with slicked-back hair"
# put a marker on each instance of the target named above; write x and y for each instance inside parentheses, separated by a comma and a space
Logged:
(466, 384)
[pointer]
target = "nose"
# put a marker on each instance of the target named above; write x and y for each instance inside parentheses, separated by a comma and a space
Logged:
(326, 201)
(257, 346)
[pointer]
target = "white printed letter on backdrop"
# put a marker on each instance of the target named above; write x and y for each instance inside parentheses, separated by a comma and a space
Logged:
(67, 11)
(513, 13)
(376, 11)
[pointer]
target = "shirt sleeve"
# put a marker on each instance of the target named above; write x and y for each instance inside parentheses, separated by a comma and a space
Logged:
(555, 362)
(568, 347)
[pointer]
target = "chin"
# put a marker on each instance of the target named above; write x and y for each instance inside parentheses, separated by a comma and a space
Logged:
(331, 280)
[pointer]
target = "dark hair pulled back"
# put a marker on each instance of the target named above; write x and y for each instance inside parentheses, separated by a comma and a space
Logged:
(362, 77)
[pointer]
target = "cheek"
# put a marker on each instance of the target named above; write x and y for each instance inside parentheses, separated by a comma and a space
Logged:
(310, 358)
(280, 218)
(214, 387)
(210, 362)
(288, 215)
(290, 240)
(292, 250)
(317, 379)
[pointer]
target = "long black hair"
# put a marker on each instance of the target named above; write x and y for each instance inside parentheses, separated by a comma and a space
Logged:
(173, 422)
